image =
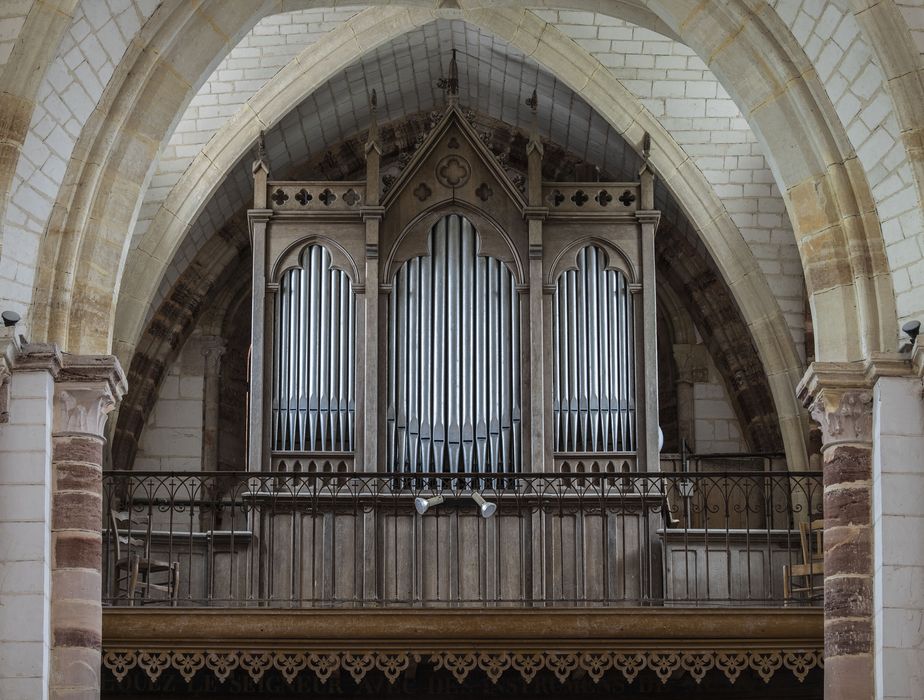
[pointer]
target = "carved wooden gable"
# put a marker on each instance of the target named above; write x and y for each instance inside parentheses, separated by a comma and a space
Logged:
(453, 171)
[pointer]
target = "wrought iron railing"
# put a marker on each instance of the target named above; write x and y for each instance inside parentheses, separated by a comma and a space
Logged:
(285, 539)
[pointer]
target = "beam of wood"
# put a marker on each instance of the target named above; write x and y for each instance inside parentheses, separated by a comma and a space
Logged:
(440, 629)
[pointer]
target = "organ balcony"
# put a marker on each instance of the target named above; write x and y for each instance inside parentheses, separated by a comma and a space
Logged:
(453, 424)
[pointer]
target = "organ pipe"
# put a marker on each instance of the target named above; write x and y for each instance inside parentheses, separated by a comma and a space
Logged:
(453, 359)
(593, 373)
(313, 369)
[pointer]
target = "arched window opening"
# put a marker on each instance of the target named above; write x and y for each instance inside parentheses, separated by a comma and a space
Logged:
(594, 358)
(454, 364)
(313, 369)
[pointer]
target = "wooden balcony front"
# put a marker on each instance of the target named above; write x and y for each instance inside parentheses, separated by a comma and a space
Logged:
(698, 555)
(355, 540)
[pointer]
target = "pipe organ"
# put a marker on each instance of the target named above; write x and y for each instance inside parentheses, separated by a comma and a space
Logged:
(313, 357)
(453, 366)
(459, 322)
(593, 380)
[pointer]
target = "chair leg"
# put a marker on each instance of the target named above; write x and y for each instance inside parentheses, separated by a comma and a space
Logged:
(133, 579)
(175, 579)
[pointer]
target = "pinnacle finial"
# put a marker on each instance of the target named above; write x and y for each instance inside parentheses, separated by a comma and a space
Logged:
(533, 102)
(646, 145)
(261, 160)
(261, 146)
(372, 141)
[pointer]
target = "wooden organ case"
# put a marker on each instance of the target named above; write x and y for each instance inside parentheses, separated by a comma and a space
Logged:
(461, 320)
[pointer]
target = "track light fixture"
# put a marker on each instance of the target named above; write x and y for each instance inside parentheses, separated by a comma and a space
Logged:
(912, 329)
(486, 507)
(422, 505)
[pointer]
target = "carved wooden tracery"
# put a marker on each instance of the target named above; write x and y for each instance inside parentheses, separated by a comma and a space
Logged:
(536, 230)
(291, 663)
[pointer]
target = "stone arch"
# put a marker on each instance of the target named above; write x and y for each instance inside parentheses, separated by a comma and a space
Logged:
(829, 200)
(843, 227)
(890, 38)
(146, 265)
(603, 92)
(746, 46)
(35, 47)
(114, 157)
(222, 264)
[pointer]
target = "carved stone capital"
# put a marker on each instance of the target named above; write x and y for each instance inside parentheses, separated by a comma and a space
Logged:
(845, 415)
(82, 408)
(88, 388)
(212, 348)
(839, 395)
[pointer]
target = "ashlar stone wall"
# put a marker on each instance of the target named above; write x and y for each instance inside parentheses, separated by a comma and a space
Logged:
(172, 438)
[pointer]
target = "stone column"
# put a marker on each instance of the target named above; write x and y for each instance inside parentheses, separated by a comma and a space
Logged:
(692, 368)
(842, 404)
(212, 348)
(87, 389)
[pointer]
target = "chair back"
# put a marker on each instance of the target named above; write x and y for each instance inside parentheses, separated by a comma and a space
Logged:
(131, 531)
(811, 535)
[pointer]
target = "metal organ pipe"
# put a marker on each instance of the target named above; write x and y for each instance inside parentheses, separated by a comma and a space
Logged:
(593, 373)
(314, 375)
(453, 365)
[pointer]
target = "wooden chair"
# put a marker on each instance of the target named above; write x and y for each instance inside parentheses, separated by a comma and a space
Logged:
(806, 580)
(134, 571)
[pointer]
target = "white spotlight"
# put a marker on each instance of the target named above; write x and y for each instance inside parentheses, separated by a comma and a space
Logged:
(487, 509)
(422, 505)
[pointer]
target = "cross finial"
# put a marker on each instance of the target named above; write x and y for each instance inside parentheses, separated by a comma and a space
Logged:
(451, 84)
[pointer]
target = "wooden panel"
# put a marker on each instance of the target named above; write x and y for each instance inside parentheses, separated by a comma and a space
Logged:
(740, 565)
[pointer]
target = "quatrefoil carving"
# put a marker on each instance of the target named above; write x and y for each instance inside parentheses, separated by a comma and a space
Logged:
(350, 197)
(453, 171)
(422, 191)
